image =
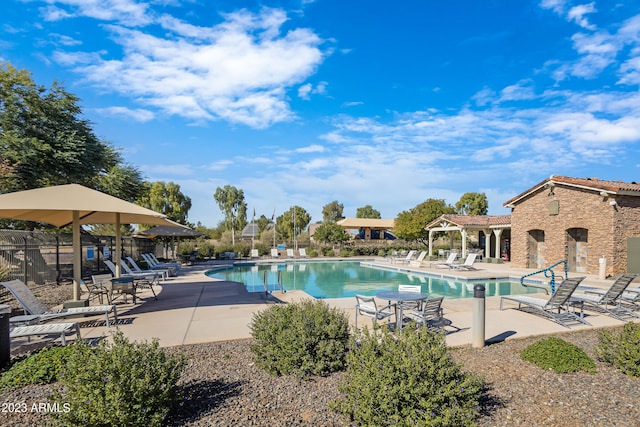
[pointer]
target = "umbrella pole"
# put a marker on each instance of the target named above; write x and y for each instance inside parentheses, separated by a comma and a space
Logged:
(118, 246)
(77, 256)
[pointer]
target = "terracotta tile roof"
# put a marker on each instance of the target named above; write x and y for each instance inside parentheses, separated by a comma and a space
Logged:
(614, 187)
(483, 221)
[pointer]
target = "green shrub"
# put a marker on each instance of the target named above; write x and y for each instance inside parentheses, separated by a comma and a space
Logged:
(122, 383)
(621, 349)
(406, 380)
(558, 355)
(42, 367)
(328, 252)
(301, 339)
(312, 253)
(205, 249)
(344, 253)
(186, 248)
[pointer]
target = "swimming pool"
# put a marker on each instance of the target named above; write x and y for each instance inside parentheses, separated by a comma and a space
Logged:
(342, 279)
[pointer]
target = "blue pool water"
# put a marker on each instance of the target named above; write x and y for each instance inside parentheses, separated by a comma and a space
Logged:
(346, 278)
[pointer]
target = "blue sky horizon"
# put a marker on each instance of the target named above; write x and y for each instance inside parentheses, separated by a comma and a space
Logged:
(302, 102)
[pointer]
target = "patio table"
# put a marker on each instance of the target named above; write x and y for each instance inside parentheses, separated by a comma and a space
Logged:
(400, 297)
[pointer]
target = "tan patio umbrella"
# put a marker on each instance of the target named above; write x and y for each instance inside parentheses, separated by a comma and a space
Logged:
(74, 204)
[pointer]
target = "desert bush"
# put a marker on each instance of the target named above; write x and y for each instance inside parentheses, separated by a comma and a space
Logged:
(42, 367)
(301, 339)
(407, 380)
(312, 253)
(121, 383)
(326, 251)
(344, 253)
(558, 355)
(206, 249)
(621, 348)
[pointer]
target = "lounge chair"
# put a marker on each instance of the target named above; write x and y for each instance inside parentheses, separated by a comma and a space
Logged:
(467, 265)
(275, 253)
(630, 296)
(36, 312)
(154, 275)
(112, 267)
(418, 261)
(58, 329)
(303, 253)
(408, 258)
(366, 306)
(136, 269)
(556, 308)
(163, 264)
(430, 315)
(609, 302)
(449, 261)
(290, 253)
(255, 253)
(154, 264)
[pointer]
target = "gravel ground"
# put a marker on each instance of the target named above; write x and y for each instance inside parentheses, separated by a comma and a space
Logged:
(224, 388)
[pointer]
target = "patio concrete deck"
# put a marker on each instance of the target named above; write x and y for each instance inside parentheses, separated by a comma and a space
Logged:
(193, 308)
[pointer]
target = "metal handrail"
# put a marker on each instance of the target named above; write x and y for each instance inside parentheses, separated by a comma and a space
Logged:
(266, 282)
(547, 271)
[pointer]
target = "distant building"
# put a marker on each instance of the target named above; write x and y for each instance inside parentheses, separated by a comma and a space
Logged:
(578, 219)
(369, 228)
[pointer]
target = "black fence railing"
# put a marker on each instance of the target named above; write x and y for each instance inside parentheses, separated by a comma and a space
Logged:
(42, 257)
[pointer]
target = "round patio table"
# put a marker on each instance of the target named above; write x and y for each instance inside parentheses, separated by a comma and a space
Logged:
(400, 297)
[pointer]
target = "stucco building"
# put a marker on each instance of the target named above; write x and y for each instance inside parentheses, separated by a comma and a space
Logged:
(582, 220)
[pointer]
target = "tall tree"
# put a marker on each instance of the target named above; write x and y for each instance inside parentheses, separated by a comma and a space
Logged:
(409, 225)
(231, 202)
(368, 212)
(167, 199)
(285, 222)
(473, 204)
(43, 140)
(332, 212)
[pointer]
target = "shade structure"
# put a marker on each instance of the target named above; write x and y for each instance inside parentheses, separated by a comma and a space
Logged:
(169, 231)
(74, 204)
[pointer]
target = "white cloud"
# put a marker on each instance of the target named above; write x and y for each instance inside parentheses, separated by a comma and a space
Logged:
(577, 15)
(304, 91)
(238, 70)
(558, 6)
(315, 148)
(138, 114)
(128, 12)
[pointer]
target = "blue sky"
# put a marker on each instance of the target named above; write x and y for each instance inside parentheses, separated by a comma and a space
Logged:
(303, 102)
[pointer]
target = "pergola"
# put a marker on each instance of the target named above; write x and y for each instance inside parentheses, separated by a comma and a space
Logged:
(464, 224)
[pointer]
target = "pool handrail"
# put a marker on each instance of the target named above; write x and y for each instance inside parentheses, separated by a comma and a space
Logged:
(547, 271)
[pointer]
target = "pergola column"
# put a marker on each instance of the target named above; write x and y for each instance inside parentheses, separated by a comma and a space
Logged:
(463, 233)
(487, 242)
(430, 242)
(498, 233)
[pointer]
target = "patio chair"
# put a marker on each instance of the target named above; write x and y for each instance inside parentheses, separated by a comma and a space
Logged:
(290, 253)
(96, 290)
(467, 265)
(630, 296)
(36, 312)
(56, 329)
(275, 253)
(255, 253)
(451, 259)
(431, 315)
(610, 300)
(303, 253)
(162, 264)
(366, 306)
(152, 264)
(112, 267)
(411, 305)
(556, 308)
(418, 261)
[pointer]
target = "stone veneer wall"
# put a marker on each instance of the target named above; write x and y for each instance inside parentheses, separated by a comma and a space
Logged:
(578, 208)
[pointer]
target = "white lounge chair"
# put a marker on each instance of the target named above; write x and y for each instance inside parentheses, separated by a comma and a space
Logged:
(451, 259)
(124, 274)
(36, 312)
(556, 308)
(303, 253)
(56, 329)
(467, 265)
(418, 261)
(153, 275)
(408, 258)
(275, 253)
(255, 253)
(154, 264)
(290, 253)
(136, 269)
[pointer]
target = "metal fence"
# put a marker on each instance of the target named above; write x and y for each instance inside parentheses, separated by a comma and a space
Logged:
(42, 257)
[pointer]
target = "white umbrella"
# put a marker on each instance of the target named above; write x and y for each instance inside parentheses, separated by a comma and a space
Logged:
(73, 204)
